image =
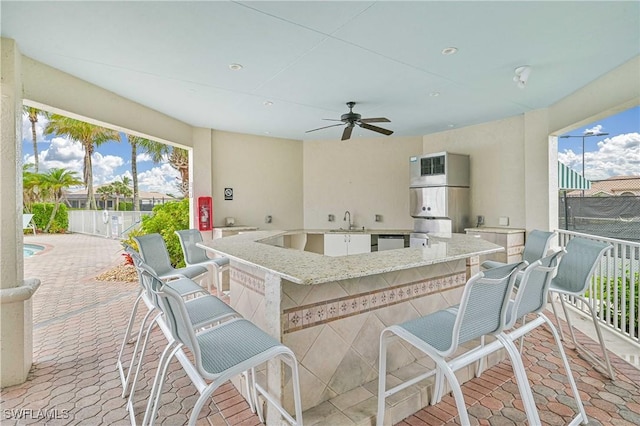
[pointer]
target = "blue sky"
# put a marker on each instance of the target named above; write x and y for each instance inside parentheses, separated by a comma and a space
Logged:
(111, 160)
(605, 156)
(617, 154)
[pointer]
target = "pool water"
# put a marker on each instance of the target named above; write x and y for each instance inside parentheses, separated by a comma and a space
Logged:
(31, 249)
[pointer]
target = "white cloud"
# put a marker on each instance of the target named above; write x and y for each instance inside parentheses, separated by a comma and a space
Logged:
(104, 167)
(162, 178)
(26, 129)
(142, 157)
(594, 130)
(68, 154)
(62, 153)
(616, 156)
(146, 157)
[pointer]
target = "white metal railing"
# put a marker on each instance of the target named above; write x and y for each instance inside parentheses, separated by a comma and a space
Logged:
(615, 285)
(105, 223)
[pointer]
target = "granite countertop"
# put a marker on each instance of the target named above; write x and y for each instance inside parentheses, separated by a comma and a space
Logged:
(359, 231)
(236, 228)
(308, 268)
(496, 230)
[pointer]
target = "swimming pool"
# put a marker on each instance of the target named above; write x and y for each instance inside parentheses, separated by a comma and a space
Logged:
(31, 249)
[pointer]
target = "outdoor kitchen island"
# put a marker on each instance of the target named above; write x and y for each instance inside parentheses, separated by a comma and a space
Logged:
(330, 312)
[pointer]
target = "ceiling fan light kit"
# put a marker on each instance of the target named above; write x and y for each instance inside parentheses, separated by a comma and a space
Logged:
(352, 119)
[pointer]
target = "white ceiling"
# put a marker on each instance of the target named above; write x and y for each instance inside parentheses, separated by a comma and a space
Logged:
(310, 58)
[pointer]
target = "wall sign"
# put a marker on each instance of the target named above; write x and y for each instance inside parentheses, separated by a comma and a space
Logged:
(228, 194)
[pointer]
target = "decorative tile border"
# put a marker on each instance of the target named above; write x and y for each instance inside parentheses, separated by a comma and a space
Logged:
(247, 280)
(301, 317)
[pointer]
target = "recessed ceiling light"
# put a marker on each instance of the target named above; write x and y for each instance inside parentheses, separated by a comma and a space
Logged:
(267, 133)
(235, 67)
(449, 50)
(434, 94)
(451, 125)
(267, 103)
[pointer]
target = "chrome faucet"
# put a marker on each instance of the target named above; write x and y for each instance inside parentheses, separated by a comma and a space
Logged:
(345, 218)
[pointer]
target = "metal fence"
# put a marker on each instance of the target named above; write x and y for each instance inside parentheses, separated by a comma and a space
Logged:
(610, 217)
(110, 224)
(615, 285)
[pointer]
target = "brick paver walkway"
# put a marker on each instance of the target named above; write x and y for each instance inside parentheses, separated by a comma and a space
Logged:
(78, 328)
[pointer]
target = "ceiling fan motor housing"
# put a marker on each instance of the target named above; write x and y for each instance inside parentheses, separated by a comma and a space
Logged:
(350, 117)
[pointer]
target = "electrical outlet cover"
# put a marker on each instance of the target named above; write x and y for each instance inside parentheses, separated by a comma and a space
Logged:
(503, 221)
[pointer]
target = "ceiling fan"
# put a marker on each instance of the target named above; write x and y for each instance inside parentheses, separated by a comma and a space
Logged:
(351, 119)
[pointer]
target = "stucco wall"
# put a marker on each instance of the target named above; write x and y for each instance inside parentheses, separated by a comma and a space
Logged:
(613, 92)
(301, 183)
(266, 176)
(366, 176)
(503, 152)
(16, 340)
(200, 160)
(77, 98)
(497, 166)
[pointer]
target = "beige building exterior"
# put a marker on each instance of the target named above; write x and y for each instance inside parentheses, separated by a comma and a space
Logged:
(77, 199)
(298, 183)
(625, 186)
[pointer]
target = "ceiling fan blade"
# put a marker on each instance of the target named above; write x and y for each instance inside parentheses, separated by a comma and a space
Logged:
(331, 119)
(375, 128)
(325, 127)
(347, 133)
(375, 120)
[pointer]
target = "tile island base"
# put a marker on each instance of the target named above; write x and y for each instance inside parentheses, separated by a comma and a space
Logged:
(333, 326)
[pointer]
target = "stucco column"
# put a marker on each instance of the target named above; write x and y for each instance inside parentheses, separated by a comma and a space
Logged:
(201, 174)
(16, 353)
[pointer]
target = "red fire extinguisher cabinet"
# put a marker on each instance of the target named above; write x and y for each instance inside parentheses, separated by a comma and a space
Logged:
(205, 213)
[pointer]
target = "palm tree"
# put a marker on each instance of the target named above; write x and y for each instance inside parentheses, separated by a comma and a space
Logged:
(33, 188)
(90, 136)
(155, 149)
(106, 192)
(121, 187)
(179, 160)
(57, 180)
(33, 114)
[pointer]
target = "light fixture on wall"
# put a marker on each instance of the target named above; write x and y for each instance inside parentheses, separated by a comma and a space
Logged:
(522, 75)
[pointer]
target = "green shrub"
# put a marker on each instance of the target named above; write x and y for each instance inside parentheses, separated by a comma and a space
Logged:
(165, 220)
(125, 206)
(611, 301)
(42, 213)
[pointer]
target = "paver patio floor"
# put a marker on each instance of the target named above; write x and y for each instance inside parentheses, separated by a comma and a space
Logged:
(79, 323)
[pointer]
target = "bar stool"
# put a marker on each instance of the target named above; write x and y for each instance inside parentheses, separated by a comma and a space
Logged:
(482, 311)
(219, 353)
(535, 248)
(184, 286)
(202, 312)
(531, 298)
(574, 276)
(196, 256)
(154, 252)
